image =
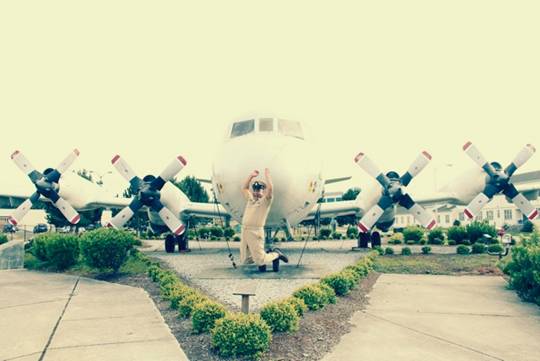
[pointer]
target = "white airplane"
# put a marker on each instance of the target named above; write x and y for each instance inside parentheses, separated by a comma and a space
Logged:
(279, 145)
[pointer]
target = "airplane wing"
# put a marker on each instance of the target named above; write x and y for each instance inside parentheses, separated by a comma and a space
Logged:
(334, 209)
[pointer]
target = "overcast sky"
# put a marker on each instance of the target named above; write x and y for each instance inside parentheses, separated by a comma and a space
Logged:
(151, 80)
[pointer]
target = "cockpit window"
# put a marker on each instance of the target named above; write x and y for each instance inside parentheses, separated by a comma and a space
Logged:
(290, 128)
(242, 128)
(266, 125)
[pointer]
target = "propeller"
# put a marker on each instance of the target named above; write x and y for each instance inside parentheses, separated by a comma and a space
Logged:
(498, 181)
(393, 192)
(147, 193)
(46, 184)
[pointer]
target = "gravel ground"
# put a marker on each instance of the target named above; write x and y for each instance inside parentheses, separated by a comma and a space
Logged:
(209, 268)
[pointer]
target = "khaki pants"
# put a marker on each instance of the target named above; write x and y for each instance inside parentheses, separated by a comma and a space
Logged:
(252, 247)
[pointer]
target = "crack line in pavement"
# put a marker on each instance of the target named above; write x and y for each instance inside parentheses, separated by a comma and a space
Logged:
(33, 303)
(433, 336)
(21, 356)
(112, 343)
(59, 319)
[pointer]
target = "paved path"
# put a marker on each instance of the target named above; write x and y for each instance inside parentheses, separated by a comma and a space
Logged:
(422, 317)
(47, 316)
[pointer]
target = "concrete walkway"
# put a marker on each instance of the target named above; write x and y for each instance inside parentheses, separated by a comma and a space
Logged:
(47, 316)
(423, 317)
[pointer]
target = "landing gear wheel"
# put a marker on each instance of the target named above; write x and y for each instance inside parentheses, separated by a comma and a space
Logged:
(275, 265)
(170, 242)
(375, 240)
(183, 243)
(262, 268)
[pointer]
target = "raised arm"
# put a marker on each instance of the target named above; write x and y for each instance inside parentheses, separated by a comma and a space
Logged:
(269, 184)
(245, 186)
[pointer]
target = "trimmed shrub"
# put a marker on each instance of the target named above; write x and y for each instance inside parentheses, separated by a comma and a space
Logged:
(527, 227)
(426, 250)
(298, 304)
(216, 232)
(524, 271)
(495, 248)
(106, 248)
(205, 315)
(204, 232)
(238, 334)
(451, 242)
(396, 238)
(329, 293)
(324, 233)
(59, 250)
(188, 303)
(336, 235)
(476, 231)
(3, 238)
(280, 316)
(436, 236)
(340, 282)
(352, 232)
(236, 239)
(406, 251)
(312, 295)
(62, 250)
(178, 293)
(413, 233)
(457, 234)
(228, 233)
(379, 250)
(462, 249)
(388, 251)
(478, 248)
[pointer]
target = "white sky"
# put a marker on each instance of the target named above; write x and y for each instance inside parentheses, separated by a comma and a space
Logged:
(152, 80)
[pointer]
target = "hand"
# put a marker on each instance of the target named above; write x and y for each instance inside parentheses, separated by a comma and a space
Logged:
(254, 173)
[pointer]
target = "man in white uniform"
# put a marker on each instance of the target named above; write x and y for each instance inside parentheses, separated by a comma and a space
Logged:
(259, 200)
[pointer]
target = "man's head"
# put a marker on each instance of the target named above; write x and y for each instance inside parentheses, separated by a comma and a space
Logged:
(258, 189)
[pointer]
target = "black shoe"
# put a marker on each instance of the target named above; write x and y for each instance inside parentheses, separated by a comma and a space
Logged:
(262, 268)
(275, 265)
(282, 256)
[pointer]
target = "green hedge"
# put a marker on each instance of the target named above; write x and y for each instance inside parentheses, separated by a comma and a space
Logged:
(524, 271)
(59, 250)
(462, 249)
(426, 250)
(457, 234)
(436, 236)
(406, 251)
(478, 248)
(106, 248)
(238, 334)
(3, 238)
(313, 296)
(476, 230)
(413, 233)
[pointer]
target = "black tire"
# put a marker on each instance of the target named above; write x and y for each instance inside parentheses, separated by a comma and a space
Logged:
(275, 265)
(262, 268)
(169, 244)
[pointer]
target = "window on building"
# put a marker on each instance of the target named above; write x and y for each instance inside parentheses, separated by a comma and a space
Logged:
(447, 218)
(519, 215)
(461, 216)
(489, 215)
(498, 213)
(507, 214)
(438, 218)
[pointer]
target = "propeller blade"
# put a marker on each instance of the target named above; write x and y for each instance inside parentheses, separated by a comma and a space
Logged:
(372, 216)
(125, 214)
(125, 171)
(173, 168)
(424, 217)
(170, 220)
(523, 156)
(416, 167)
(478, 158)
(68, 161)
(67, 210)
(24, 164)
(476, 205)
(168, 173)
(22, 209)
(520, 201)
(369, 167)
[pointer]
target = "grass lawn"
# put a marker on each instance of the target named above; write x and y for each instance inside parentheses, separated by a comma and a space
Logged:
(438, 264)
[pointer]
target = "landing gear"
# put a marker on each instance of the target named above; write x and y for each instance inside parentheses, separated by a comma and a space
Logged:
(365, 238)
(182, 241)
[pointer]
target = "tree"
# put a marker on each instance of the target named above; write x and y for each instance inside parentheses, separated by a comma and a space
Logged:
(351, 194)
(192, 188)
